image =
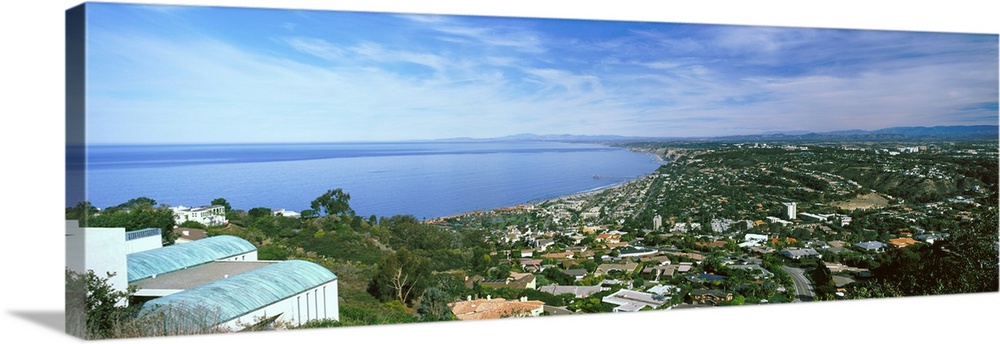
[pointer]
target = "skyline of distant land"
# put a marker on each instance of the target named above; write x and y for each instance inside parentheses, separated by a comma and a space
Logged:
(179, 74)
(972, 132)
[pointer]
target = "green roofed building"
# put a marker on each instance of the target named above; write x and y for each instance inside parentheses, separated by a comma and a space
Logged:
(293, 291)
(146, 264)
(211, 282)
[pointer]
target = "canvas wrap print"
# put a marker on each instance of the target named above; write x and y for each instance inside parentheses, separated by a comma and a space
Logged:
(243, 169)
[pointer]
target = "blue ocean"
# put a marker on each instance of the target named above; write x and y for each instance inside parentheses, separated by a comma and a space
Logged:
(423, 179)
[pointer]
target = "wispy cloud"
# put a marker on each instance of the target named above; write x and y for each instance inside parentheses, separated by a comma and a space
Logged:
(329, 76)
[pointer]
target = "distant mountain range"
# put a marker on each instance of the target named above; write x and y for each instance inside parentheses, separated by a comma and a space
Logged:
(971, 132)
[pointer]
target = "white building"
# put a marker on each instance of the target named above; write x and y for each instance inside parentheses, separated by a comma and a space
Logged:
(753, 240)
(790, 210)
(212, 215)
(633, 301)
(108, 259)
(286, 213)
(773, 219)
(657, 222)
(816, 217)
(295, 291)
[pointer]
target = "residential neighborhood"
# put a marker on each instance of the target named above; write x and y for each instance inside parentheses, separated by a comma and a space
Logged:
(726, 223)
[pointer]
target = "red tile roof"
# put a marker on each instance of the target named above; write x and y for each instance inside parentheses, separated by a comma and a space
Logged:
(493, 308)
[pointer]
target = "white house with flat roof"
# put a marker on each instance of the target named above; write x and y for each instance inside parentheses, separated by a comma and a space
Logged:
(633, 301)
(210, 215)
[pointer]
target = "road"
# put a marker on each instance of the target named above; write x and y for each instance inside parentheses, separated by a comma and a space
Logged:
(803, 288)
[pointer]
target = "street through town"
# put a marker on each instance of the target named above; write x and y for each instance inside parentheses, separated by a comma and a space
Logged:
(803, 288)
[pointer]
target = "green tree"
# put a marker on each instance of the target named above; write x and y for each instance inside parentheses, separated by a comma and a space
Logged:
(138, 215)
(259, 212)
(434, 305)
(80, 212)
(93, 306)
(222, 201)
(333, 202)
(134, 203)
(191, 224)
(401, 276)
(559, 277)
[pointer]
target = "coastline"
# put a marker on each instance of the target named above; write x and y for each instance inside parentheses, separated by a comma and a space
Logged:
(594, 191)
(581, 194)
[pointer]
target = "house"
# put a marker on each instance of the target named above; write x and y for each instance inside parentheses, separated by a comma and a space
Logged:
(692, 255)
(614, 245)
(761, 249)
(542, 245)
(713, 244)
(871, 246)
(516, 280)
(931, 238)
(609, 238)
(788, 240)
(758, 270)
(800, 253)
(659, 259)
(188, 234)
(709, 296)
(490, 308)
(559, 255)
(552, 310)
(286, 213)
(903, 242)
(531, 265)
(576, 273)
(753, 240)
(773, 219)
(605, 282)
(577, 290)
(655, 272)
(705, 278)
(626, 268)
(633, 301)
(211, 215)
(664, 289)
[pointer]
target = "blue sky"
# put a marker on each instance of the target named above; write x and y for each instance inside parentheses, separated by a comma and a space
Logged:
(168, 74)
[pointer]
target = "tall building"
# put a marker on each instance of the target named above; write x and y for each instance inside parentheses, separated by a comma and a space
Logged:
(657, 222)
(790, 210)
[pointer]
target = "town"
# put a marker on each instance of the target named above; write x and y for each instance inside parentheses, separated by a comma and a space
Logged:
(720, 223)
(748, 222)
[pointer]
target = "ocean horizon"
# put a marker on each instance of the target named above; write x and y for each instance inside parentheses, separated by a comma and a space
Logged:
(420, 178)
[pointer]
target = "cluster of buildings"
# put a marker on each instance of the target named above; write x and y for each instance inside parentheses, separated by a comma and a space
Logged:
(214, 282)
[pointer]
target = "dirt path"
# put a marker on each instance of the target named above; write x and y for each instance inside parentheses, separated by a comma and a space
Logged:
(867, 201)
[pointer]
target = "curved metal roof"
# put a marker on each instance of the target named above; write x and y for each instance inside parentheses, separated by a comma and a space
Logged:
(226, 299)
(145, 264)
